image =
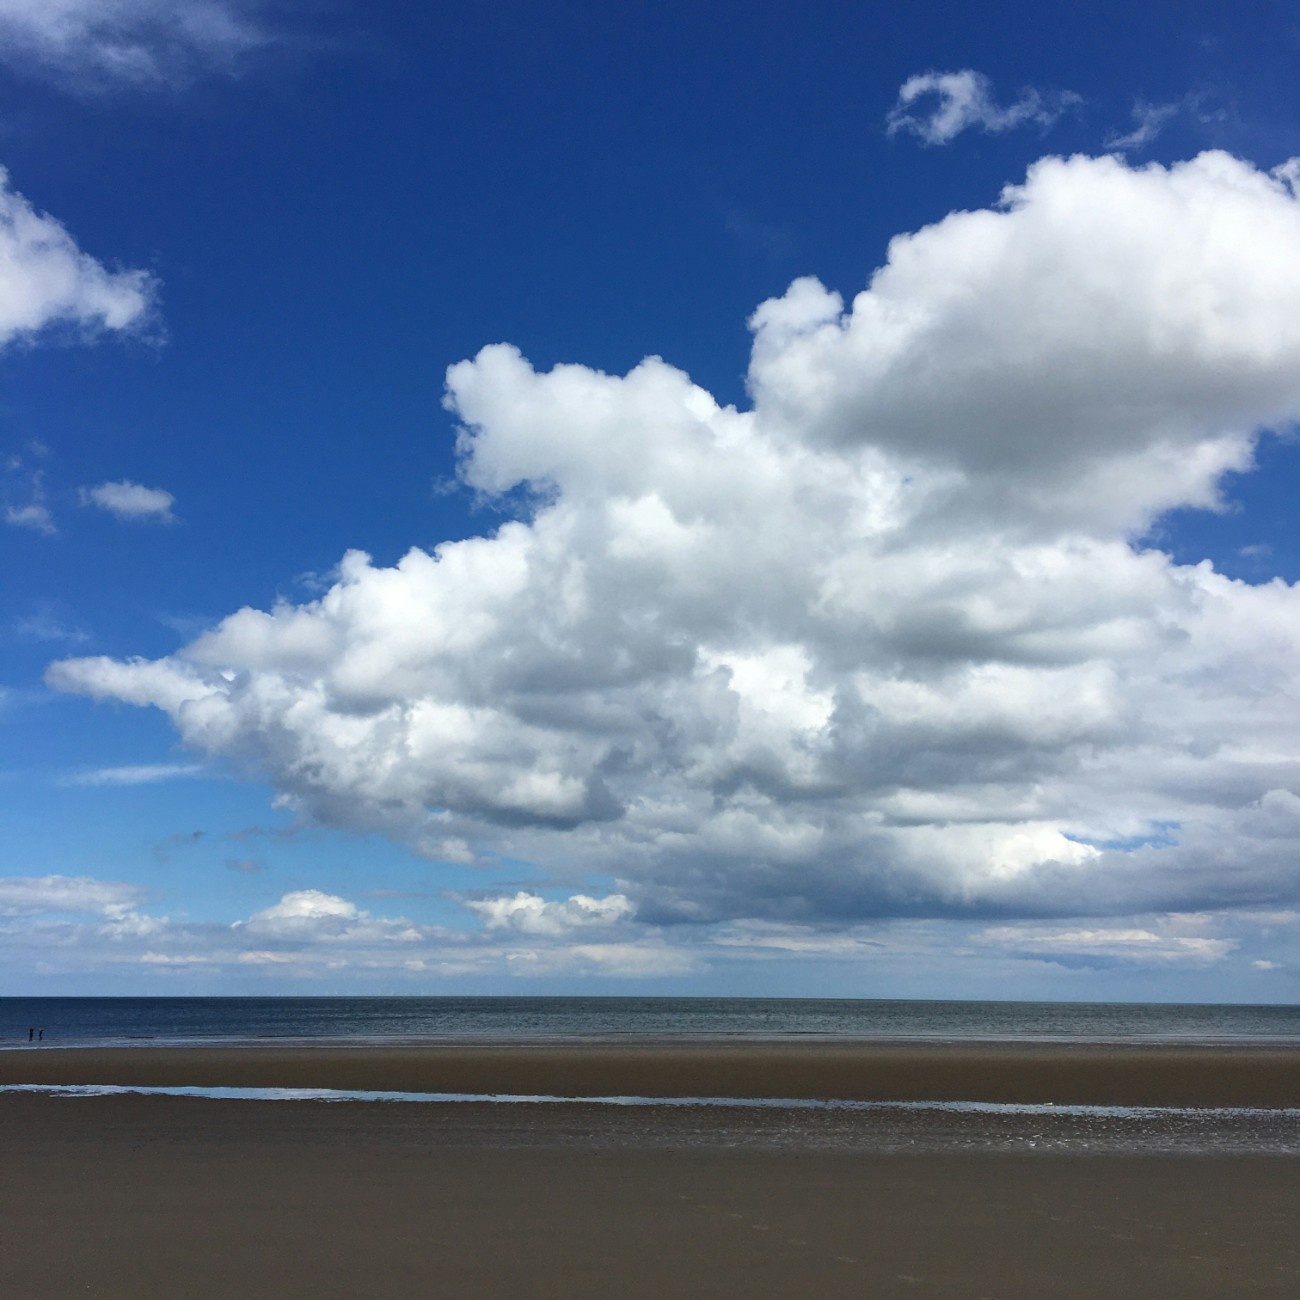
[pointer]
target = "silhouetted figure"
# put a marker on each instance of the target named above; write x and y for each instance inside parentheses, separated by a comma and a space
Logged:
(40, 1034)
(31, 1033)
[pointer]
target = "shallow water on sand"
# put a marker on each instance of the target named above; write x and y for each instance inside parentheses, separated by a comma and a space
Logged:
(510, 1120)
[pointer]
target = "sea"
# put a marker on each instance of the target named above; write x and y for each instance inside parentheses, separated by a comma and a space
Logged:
(119, 1021)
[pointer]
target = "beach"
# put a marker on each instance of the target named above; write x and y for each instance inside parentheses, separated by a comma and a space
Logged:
(128, 1195)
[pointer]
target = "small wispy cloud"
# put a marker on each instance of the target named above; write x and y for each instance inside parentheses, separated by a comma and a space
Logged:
(1155, 943)
(142, 774)
(34, 515)
(23, 490)
(1148, 121)
(45, 624)
(132, 502)
(1200, 107)
(93, 44)
(938, 106)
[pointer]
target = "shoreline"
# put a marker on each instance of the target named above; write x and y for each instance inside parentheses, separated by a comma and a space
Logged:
(1112, 1075)
(1263, 1043)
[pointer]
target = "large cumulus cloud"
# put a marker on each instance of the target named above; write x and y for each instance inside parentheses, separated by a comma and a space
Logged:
(884, 643)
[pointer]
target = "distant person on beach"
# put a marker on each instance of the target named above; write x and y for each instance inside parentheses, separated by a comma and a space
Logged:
(30, 1034)
(40, 1034)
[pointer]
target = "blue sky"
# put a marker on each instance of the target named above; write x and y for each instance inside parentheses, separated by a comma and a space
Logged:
(933, 642)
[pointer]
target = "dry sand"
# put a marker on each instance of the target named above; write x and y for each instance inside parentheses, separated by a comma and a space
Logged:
(177, 1197)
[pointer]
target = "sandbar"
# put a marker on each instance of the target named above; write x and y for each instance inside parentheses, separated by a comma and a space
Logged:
(1060, 1074)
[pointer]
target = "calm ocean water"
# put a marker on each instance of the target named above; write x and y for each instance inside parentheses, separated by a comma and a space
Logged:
(103, 1021)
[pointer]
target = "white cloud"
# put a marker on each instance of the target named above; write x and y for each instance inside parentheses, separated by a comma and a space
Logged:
(131, 501)
(938, 106)
(882, 644)
(125, 924)
(46, 280)
(646, 959)
(114, 903)
(1155, 945)
(531, 914)
(259, 957)
(39, 895)
(524, 936)
(137, 774)
(307, 905)
(1148, 121)
(312, 916)
(60, 924)
(92, 43)
(34, 515)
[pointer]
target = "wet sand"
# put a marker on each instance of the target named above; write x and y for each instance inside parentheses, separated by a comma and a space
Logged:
(163, 1196)
(1113, 1075)
(156, 1196)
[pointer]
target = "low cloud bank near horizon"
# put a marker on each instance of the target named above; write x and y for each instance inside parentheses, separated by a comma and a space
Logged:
(885, 645)
(58, 926)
